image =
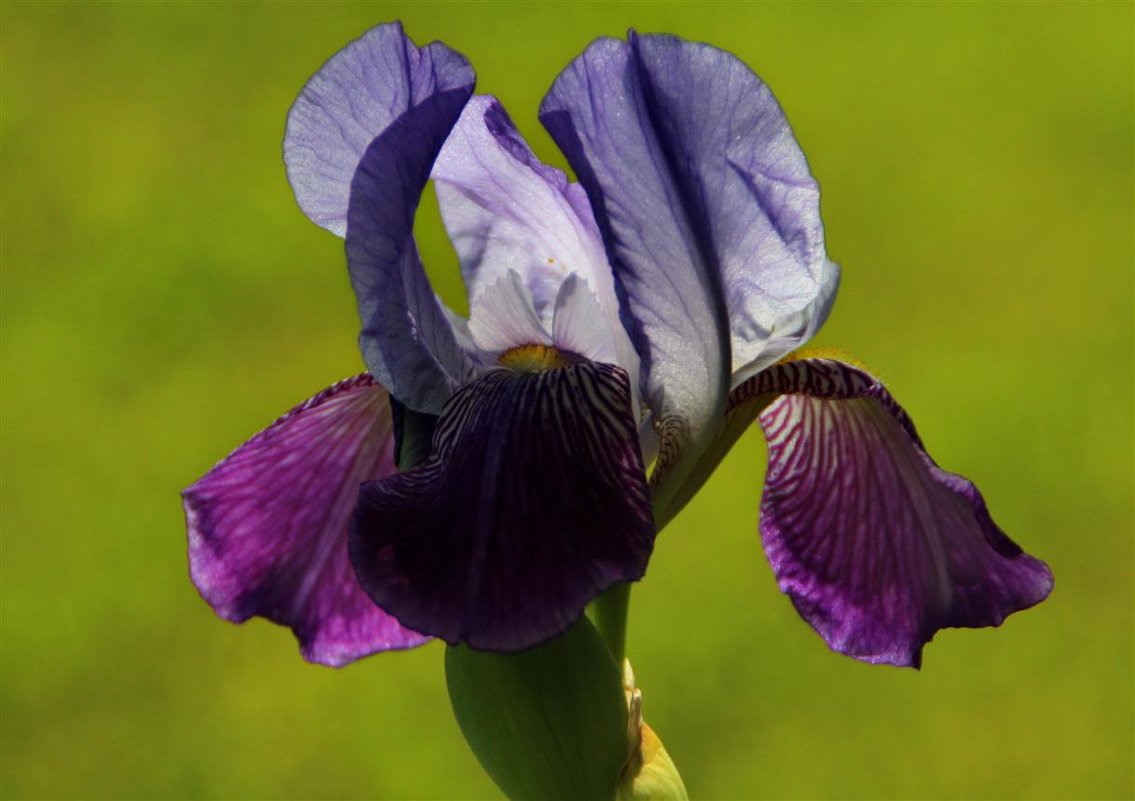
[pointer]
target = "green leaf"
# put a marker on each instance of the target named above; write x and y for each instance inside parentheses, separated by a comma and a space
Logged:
(546, 723)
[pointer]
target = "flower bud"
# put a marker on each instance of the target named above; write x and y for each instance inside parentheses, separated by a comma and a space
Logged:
(649, 773)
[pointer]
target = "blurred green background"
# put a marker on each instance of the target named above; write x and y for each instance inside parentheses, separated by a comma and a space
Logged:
(163, 299)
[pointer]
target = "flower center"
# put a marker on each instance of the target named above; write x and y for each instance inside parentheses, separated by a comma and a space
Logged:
(533, 358)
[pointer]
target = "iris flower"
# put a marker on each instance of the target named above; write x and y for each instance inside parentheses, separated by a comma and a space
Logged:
(487, 478)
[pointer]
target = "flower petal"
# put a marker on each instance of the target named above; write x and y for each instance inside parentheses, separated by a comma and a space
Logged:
(876, 545)
(755, 199)
(407, 339)
(506, 211)
(505, 317)
(601, 115)
(353, 97)
(579, 323)
(268, 525)
(532, 502)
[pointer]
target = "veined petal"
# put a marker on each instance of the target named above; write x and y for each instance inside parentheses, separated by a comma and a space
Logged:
(750, 195)
(789, 330)
(876, 545)
(506, 211)
(268, 525)
(407, 340)
(353, 97)
(601, 114)
(505, 318)
(710, 217)
(533, 501)
(579, 324)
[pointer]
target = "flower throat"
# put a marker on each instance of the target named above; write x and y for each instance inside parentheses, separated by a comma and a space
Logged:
(533, 358)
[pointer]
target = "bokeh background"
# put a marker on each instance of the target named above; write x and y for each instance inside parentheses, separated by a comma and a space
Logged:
(163, 298)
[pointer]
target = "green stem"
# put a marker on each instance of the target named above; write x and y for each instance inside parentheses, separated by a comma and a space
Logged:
(609, 613)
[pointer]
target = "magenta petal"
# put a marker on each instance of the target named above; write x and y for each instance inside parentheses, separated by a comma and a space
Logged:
(532, 502)
(876, 545)
(268, 525)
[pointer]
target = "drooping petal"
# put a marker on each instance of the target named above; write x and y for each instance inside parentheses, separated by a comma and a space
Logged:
(407, 339)
(353, 97)
(876, 545)
(268, 525)
(506, 211)
(532, 502)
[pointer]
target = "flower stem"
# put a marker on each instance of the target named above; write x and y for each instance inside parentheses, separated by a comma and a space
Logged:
(609, 613)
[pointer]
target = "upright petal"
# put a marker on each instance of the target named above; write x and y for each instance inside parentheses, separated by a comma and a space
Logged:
(268, 525)
(601, 113)
(407, 339)
(353, 97)
(506, 211)
(506, 318)
(533, 501)
(578, 324)
(876, 545)
(710, 217)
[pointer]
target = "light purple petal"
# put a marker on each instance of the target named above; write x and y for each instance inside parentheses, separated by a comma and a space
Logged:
(506, 211)
(505, 318)
(353, 97)
(579, 323)
(877, 546)
(533, 501)
(407, 340)
(602, 115)
(268, 525)
(749, 189)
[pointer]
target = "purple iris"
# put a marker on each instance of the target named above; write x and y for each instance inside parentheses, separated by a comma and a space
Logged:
(640, 316)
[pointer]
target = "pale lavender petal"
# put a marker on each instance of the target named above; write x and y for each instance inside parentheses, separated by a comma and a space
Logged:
(788, 331)
(533, 501)
(505, 318)
(268, 525)
(600, 112)
(877, 546)
(353, 98)
(749, 189)
(506, 211)
(407, 340)
(579, 323)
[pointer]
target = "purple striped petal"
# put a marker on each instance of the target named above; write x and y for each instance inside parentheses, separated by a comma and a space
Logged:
(533, 501)
(407, 340)
(268, 525)
(876, 545)
(353, 97)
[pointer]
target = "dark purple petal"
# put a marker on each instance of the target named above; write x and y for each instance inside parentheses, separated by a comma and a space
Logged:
(876, 545)
(533, 501)
(407, 340)
(268, 525)
(353, 97)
